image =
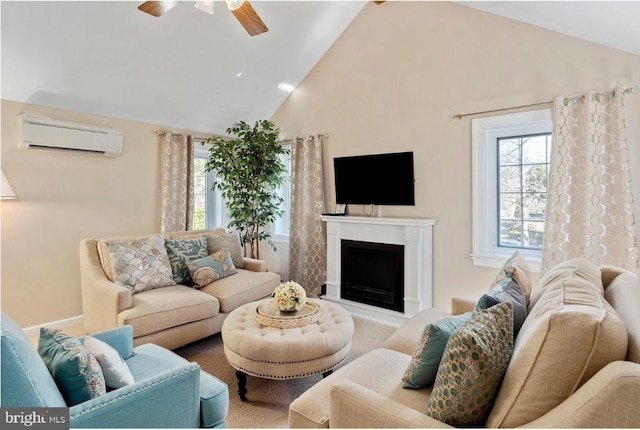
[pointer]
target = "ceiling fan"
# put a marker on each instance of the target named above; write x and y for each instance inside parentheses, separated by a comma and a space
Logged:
(241, 9)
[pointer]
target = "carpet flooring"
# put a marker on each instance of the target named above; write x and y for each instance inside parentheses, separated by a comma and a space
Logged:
(268, 400)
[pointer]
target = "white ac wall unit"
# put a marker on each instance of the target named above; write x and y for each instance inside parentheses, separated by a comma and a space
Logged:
(38, 132)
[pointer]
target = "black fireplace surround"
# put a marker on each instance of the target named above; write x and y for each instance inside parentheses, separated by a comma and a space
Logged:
(373, 274)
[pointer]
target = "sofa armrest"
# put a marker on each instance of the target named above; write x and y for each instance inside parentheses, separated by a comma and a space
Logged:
(460, 305)
(609, 399)
(255, 265)
(168, 399)
(120, 338)
(355, 406)
(102, 300)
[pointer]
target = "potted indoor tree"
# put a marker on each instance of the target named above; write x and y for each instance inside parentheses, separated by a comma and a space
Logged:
(249, 171)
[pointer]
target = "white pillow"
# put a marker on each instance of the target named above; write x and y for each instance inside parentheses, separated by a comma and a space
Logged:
(115, 370)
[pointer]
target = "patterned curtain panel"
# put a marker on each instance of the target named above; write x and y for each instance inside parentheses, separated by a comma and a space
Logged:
(590, 205)
(307, 240)
(176, 165)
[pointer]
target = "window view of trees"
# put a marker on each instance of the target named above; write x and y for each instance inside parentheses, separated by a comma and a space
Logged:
(523, 163)
(199, 194)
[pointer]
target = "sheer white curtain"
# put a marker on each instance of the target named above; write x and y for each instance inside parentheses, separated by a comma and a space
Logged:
(590, 203)
(176, 182)
(307, 243)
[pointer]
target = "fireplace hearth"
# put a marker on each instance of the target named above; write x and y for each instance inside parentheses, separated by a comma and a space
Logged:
(373, 274)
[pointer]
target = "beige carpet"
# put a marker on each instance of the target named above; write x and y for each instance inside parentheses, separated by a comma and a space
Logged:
(268, 400)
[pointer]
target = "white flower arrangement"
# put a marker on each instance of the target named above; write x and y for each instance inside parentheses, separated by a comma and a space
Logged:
(289, 297)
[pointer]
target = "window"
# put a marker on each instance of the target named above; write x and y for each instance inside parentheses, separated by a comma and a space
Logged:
(281, 225)
(510, 174)
(209, 207)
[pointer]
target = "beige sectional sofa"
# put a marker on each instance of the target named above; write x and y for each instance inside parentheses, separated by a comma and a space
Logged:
(575, 363)
(171, 316)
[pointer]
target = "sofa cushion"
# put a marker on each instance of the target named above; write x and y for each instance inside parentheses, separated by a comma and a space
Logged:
(157, 310)
(115, 370)
(311, 409)
(516, 268)
(406, 337)
(140, 264)
(473, 365)
(230, 241)
(578, 268)
(427, 356)
(76, 372)
(180, 252)
(242, 288)
(570, 334)
(506, 290)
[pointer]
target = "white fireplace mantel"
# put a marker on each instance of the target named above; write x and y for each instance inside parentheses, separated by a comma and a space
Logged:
(415, 234)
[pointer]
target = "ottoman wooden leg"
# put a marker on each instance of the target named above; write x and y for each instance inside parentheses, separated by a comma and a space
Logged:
(242, 385)
(327, 373)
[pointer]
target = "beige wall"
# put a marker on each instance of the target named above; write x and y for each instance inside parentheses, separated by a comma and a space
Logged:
(63, 198)
(392, 79)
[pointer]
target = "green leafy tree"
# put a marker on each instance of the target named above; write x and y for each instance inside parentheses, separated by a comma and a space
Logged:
(249, 170)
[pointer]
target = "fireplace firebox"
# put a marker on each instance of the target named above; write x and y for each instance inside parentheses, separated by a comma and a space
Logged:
(373, 274)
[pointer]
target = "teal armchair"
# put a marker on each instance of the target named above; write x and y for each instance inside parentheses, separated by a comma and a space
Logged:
(169, 391)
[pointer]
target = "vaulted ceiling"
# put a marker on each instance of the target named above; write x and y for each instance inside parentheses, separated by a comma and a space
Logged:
(201, 72)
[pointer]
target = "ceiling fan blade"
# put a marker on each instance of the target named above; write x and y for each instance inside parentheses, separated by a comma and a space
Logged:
(249, 19)
(156, 8)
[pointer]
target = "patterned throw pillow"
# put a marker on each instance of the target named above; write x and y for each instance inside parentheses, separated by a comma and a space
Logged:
(181, 251)
(140, 264)
(516, 268)
(211, 268)
(506, 290)
(423, 367)
(231, 241)
(473, 365)
(76, 372)
(115, 370)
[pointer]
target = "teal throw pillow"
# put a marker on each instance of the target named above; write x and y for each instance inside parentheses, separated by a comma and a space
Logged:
(473, 365)
(423, 367)
(506, 290)
(209, 269)
(76, 372)
(180, 252)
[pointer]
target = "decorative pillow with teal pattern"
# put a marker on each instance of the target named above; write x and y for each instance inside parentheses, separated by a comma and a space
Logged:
(473, 365)
(423, 367)
(231, 241)
(76, 372)
(180, 252)
(506, 290)
(209, 269)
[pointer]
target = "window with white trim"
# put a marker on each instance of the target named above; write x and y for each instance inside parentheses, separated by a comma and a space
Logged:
(281, 225)
(209, 208)
(510, 176)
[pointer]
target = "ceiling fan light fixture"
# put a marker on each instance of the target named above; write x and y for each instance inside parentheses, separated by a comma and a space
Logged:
(205, 6)
(234, 4)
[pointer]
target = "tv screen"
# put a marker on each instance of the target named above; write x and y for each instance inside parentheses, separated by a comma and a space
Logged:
(380, 179)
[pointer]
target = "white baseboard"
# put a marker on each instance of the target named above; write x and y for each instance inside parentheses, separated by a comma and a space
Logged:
(35, 330)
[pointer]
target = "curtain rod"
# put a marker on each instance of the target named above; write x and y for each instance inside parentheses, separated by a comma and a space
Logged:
(631, 90)
(302, 139)
(195, 138)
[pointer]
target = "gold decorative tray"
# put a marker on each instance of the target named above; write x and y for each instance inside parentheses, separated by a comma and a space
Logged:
(269, 315)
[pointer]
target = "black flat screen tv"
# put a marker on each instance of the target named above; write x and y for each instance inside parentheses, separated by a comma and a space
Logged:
(379, 179)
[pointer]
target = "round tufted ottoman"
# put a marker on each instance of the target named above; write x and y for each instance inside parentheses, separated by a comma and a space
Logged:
(274, 353)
